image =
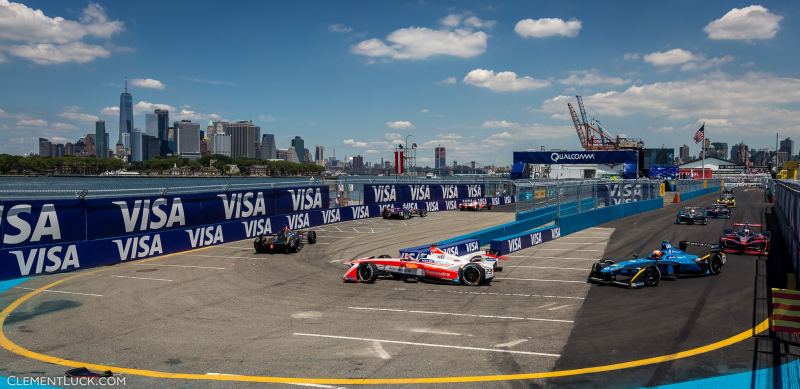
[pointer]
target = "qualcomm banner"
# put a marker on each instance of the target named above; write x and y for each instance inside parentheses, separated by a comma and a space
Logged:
(628, 158)
(385, 193)
(51, 236)
(519, 242)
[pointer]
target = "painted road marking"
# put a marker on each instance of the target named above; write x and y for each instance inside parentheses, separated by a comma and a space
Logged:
(509, 294)
(61, 291)
(380, 351)
(143, 278)
(220, 256)
(538, 279)
(548, 267)
(558, 307)
(427, 344)
(186, 266)
(430, 331)
(459, 314)
(511, 343)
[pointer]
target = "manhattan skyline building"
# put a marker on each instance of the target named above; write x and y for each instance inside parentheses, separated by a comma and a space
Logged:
(125, 113)
(787, 146)
(187, 139)
(268, 147)
(151, 124)
(101, 139)
(440, 158)
(136, 145)
(299, 147)
(162, 116)
(244, 136)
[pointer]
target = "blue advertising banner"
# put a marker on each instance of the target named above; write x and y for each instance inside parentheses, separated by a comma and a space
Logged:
(510, 244)
(39, 222)
(458, 248)
(577, 157)
(384, 193)
(620, 193)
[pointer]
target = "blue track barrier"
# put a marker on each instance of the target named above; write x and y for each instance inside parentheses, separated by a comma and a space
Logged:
(566, 208)
(698, 193)
(458, 248)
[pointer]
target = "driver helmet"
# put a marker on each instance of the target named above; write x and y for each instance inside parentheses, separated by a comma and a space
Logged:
(656, 254)
(746, 231)
(285, 229)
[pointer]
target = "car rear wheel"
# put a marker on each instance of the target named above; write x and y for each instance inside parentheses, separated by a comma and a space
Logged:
(311, 237)
(367, 272)
(472, 274)
(296, 246)
(652, 276)
(423, 213)
(715, 264)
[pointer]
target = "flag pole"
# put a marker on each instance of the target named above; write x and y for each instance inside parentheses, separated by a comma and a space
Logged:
(703, 151)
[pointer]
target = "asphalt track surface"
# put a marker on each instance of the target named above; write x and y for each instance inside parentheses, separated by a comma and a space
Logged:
(227, 311)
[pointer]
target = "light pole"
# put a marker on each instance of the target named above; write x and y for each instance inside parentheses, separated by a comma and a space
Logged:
(406, 147)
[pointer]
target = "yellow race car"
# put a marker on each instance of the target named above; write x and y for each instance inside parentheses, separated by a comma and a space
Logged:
(727, 200)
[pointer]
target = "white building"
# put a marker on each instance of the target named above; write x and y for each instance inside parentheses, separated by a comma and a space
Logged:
(712, 163)
(188, 139)
(220, 144)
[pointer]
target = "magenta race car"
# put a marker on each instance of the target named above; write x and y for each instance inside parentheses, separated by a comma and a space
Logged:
(745, 240)
(474, 205)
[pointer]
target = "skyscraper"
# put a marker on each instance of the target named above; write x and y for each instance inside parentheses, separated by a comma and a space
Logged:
(358, 162)
(151, 147)
(319, 154)
(440, 158)
(244, 135)
(299, 147)
(163, 130)
(100, 139)
(291, 155)
(151, 124)
(136, 145)
(125, 112)
(684, 154)
(45, 148)
(720, 149)
(787, 146)
(220, 143)
(187, 139)
(268, 149)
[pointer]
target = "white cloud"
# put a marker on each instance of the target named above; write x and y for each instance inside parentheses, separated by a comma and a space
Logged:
(340, 28)
(424, 110)
(73, 113)
(631, 56)
(748, 23)
(148, 107)
(29, 33)
(474, 21)
(503, 81)
(754, 103)
(111, 111)
(400, 125)
(701, 63)
(447, 81)
(32, 123)
(546, 27)
(148, 83)
(592, 77)
(354, 143)
(186, 113)
(392, 136)
(669, 58)
(416, 43)
(499, 124)
(63, 126)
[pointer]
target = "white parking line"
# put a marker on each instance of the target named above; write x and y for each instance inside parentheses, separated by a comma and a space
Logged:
(427, 344)
(186, 266)
(143, 278)
(511, 343)
(557, 308)
(61, 291)
(459, 314)
(548, 267)
(540, 280)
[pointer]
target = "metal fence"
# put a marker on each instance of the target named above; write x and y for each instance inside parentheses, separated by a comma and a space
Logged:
(350, 190)
(684, 186)
(787, 205)
(568, 197)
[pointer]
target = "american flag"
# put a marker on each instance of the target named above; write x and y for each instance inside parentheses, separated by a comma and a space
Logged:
(700, 134)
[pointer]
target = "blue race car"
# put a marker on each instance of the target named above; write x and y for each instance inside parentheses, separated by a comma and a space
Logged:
(667, 263)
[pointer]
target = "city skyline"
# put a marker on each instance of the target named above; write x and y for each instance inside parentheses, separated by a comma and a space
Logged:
(349, 82)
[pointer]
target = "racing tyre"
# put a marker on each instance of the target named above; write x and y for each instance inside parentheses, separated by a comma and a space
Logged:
(423, 213)
(385, 214)
(311, 237)
(407, 215)
(472, 274)
(489, 206)
(715, 264)
(367, 272)
(296, 246)
(259, 245)
(652, 276)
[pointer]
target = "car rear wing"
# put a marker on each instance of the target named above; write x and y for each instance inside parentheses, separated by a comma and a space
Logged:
(684, 244)
(747, 224)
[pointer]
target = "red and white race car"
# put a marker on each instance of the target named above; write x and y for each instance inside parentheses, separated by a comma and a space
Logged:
(745, 240)
(471, 270)
(474, 205)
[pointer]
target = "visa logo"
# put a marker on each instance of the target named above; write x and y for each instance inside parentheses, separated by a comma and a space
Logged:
(450, 205)
(151, 216)
(420, 192)
(449, 191)
(432, 206)
(536, 238)
(46, 224)
(298, 220)
(409, 206)
(139, 247)
(495, 201)
(509, 200)
(47, 259)
(452, 250)
(253, 228)
(306, 198)
(242, 205)
(331, 216)
(472, 247)
(555, 232)
(515, 244)
(474, 191)
(205, 236)
(384, 193)
(360, 212)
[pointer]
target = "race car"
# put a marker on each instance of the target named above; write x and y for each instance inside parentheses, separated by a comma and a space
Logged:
(285, 241)
(691, 215)
(718, 211)
(474, 205)
(402, 213)
(667, 262)
(727, 199)
(471, 270)
(745, 240)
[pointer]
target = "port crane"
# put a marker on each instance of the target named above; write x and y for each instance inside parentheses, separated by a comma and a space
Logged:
(593, 136)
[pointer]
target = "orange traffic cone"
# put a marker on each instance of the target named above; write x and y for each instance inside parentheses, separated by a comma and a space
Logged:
(677, 198)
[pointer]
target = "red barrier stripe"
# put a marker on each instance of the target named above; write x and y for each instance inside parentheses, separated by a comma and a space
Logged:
(787, 296)
(786, 307)
(794, 319)
(786, 329)
(789, 291)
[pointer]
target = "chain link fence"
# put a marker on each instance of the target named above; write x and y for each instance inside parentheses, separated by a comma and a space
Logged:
(567, 197)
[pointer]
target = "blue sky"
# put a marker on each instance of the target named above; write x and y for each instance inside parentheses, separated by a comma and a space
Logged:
(482, 78)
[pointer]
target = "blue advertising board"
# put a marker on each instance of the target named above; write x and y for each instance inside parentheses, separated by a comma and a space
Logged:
(384, 193)
(628, 158)
(620, 192)
(517, 242)
(457, 248)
